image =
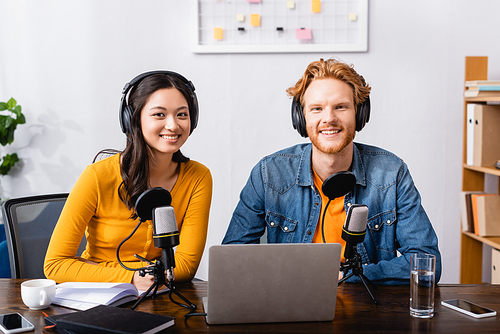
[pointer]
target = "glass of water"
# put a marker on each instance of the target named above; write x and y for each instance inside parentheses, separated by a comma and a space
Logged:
(422, 280)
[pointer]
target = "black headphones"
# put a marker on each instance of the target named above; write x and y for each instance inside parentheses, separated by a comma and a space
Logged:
(299, 121)
(126, 110)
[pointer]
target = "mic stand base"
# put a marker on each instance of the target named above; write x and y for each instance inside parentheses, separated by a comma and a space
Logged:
(158, 270)
(192, 307)
(357, 270)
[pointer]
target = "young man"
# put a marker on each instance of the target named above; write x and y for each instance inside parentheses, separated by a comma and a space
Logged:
(284, 191)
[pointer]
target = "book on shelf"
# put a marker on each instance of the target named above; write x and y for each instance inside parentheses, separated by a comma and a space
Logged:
(473, 83)
(481, 93)
(493, 88)
(103, 319)
(486, 214)
(473, 87)
(466, 214)
(86, 295)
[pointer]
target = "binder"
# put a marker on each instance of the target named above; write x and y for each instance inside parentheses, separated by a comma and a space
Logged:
(486, 148)
(488, 215)
(495, 266)
(470, 134)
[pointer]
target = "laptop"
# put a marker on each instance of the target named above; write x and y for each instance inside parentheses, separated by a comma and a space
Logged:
(262, 283)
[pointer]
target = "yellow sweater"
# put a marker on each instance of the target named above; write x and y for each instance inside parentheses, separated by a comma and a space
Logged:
(94, 208)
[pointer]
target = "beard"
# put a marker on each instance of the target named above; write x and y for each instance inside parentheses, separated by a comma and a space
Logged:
(331, 146)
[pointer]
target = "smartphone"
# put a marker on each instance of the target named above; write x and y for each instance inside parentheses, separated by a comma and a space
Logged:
(469, 308)
(14, 323)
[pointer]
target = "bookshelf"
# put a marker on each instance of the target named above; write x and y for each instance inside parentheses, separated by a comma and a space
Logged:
(471, 247)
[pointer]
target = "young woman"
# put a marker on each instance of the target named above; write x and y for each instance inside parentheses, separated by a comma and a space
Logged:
(160, 114)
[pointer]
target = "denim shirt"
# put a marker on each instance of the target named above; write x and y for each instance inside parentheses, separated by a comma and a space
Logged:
(280, 197)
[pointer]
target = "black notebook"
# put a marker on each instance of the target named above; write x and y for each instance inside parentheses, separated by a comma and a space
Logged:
(105, 319)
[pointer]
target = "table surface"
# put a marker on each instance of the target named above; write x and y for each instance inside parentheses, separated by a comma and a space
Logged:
(355, 311)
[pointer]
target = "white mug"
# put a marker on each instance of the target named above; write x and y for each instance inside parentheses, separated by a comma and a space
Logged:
(38, 294)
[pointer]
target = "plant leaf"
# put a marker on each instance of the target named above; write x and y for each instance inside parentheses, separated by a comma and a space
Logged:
(11, 103)
(21, 119)
(8, 162)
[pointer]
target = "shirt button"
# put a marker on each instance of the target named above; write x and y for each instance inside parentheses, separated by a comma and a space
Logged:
(272, 224)
(388, 221)
(286, 228)
(349, 205)
(376, 226)
(316, 203)
(309, 233)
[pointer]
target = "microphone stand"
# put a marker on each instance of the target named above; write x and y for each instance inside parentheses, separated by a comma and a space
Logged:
(356, 265)
(158, 270)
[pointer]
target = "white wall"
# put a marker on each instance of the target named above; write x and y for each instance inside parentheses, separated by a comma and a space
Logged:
(67, 61)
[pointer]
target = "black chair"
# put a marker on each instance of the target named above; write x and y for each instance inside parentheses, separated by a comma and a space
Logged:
(29, 222)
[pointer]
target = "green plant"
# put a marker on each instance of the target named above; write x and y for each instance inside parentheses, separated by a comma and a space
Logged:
(8, 125)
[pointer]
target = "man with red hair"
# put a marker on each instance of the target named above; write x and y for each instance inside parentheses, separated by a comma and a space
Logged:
(284, 196)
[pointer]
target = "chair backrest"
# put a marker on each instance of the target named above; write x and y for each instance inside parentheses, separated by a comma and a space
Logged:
(29, 222)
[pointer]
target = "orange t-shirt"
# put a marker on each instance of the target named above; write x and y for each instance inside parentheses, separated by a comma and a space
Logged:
(334, 219)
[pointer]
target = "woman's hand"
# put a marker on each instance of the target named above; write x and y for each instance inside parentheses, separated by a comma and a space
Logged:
(142, 283)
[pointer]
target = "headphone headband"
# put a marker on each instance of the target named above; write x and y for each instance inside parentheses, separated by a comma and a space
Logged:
(126, 110)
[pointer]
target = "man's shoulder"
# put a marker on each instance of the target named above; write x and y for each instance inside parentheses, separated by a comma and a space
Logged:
(295, 151)
(367, 151)
(282, 169)
(377, 164)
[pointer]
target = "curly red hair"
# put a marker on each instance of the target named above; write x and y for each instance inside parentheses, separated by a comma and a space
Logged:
(334, 69)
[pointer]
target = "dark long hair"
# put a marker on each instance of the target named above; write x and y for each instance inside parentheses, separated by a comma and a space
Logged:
(135, 158)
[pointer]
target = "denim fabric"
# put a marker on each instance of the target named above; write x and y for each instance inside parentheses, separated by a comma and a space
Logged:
(4, 254)
(280, 197)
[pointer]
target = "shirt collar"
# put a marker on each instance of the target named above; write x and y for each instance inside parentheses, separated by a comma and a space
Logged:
(305, 176)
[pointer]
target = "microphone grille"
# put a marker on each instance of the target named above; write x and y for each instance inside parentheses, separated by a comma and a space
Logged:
(164, 220)
(356, 218)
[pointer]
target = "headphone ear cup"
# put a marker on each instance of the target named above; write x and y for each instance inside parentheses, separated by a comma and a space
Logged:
(298, 120)
(126, 119)
(363, 114)
(194, 113)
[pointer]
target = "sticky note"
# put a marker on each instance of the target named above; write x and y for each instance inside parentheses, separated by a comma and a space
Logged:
(255, 20)
(254, 1)
(290, 4)
(353, 17)
(316, 6)
(240, 17)
(303, 33)
(218, 34)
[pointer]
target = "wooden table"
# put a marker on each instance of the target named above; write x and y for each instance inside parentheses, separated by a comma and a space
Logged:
(355, 311)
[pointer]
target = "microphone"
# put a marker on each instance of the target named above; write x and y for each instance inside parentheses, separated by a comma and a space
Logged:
(166, 236)
(336, 185)
(150, 199)
(154, 204)
(354, 229)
